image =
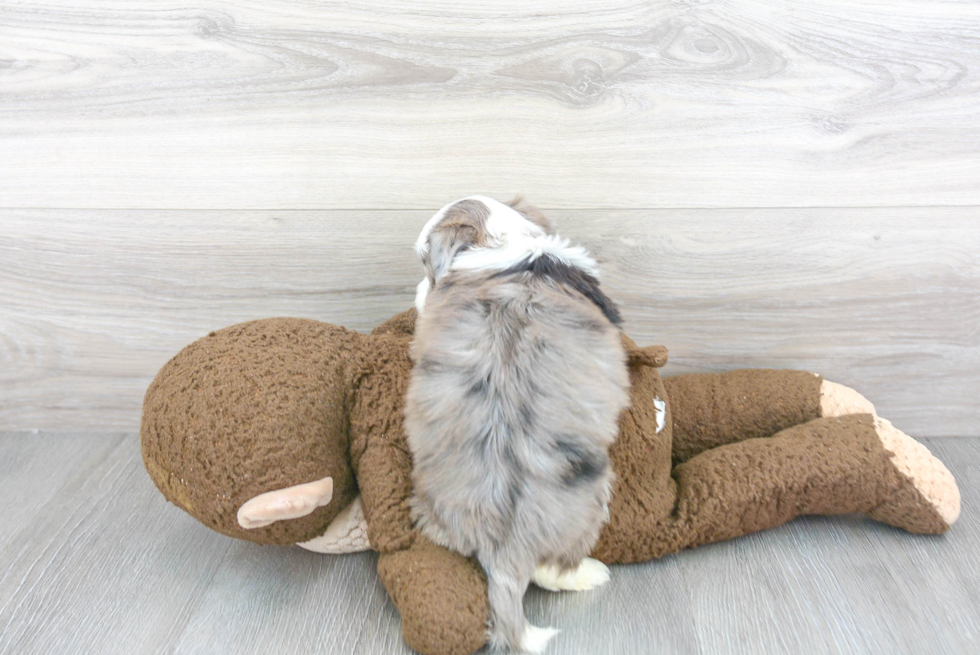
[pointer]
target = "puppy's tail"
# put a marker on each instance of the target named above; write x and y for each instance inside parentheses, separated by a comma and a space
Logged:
(507, 580)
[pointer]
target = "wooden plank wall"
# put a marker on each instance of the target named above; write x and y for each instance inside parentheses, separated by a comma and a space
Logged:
(787, 184)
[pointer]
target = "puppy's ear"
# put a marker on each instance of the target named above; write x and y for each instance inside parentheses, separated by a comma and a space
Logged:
(532, 213)
(447, 240)
(463, 227)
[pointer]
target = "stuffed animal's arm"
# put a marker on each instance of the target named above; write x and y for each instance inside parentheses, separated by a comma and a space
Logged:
(400, 324)
(441, 596)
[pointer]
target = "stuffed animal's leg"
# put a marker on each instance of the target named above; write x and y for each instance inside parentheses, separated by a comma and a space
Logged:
(925, 485)
(441, 596)
(713, 409)
(833, 465)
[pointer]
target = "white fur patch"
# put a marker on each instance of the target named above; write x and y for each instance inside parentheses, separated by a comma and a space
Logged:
(421, 293)
(513, 239)
(661, 408)
(521, 248)
(536, 639)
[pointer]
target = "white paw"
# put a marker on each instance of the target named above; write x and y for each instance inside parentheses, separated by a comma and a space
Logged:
(536, 639)
(589, 574)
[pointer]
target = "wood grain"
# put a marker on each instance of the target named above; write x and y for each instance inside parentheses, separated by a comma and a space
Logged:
(26, 492)
(100, 567)
(844, 584)
(401, 104)
(884, 300)
(103, 564)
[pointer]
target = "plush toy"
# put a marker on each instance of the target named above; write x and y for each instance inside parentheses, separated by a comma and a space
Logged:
(284, 431)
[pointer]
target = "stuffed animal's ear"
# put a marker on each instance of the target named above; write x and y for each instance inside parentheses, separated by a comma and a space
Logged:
(654, 356)
(289, 503)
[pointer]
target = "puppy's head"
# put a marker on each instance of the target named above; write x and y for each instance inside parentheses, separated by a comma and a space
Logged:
(474, 224)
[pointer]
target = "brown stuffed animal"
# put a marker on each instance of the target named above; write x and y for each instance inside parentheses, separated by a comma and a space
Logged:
(268, 431)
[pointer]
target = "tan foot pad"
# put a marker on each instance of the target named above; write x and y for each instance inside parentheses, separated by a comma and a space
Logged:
(838, 400)
(927, 500)
(347, 533)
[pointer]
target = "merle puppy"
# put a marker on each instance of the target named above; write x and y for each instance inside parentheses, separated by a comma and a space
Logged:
(519, 378)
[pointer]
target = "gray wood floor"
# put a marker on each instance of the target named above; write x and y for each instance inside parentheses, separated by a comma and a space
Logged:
(93, 560)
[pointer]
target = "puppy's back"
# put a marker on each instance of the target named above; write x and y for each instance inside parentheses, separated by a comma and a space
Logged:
(519, 380)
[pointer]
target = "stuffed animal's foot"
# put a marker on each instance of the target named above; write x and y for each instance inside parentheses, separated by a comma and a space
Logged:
(347, 533)
(838, 400)
(927, 499)
(589, 574)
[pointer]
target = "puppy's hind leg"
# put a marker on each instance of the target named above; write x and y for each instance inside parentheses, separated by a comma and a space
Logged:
(507, 579)
(571, 569)
(587, 574)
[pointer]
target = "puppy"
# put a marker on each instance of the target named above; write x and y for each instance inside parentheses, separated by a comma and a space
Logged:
(519, 378)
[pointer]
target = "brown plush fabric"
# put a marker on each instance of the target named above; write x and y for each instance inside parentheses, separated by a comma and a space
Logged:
(713, 409)
(270, 404)
(398, 325)
(640, 458)
(833, 465)
(248, 409)
(379, 451)
(441, 595)
(905, 508)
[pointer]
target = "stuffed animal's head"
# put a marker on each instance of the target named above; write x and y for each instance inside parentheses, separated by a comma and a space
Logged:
(249, 409)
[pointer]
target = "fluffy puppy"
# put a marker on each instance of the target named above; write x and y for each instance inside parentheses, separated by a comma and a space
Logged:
(519, 378)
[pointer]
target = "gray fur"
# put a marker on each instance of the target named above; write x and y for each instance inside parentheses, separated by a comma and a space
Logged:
(514, 400)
